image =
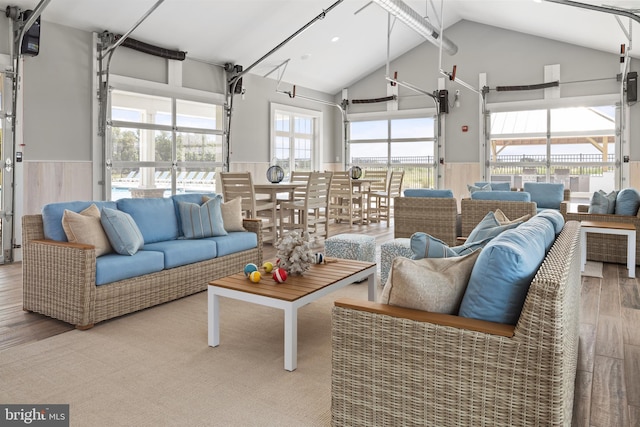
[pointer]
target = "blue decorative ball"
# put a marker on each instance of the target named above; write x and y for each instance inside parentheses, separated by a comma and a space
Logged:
(250, 268)
(319, 258)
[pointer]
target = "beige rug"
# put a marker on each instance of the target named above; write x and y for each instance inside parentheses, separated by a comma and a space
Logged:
(154, 368)
(593, 269)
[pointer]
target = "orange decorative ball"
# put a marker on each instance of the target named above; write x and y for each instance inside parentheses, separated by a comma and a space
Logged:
(255, 276)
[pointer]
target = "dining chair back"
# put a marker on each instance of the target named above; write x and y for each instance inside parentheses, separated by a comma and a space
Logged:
(380, 201)
(310, 214)
(240, 184)
(344, 203)
(378, 179)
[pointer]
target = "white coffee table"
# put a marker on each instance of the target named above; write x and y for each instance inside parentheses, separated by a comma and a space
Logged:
(295, 292)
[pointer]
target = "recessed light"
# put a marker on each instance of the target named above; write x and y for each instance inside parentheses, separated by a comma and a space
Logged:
(306, 56)
(335, 39)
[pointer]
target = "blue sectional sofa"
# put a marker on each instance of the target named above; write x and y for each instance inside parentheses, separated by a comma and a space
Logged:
(70, 282)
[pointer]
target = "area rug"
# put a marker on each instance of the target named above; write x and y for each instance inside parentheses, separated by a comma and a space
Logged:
(154, 367)
(593, 269)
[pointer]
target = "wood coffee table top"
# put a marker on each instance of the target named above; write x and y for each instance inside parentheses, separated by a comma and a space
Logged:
(611, 225)
(295, 287)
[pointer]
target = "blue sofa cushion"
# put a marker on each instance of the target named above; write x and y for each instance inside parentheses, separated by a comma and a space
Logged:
(503, 272)
(123, 233)
(182, 252)
(489, 228)
(52, 216)
(495, 185)
(155, 217)
(428, 192)
(546, 195)
(627, 202)
(201, 220)
(515, 196)
(235, 241)
(189, 198)
(555, 217)
(114, 267)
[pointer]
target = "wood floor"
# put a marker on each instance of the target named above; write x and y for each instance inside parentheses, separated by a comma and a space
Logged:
(608, 378)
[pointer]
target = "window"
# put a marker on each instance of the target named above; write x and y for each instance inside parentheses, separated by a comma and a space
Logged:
(159, 146)
(295, 138)
(575, 146)
(405, 144)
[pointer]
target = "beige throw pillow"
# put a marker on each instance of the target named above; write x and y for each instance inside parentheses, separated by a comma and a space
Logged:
(503, 220)
(231, 214)
(85, 227)
(429, 284)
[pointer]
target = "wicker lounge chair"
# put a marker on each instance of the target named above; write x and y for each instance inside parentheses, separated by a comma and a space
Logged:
(472, 211)
(434, 216)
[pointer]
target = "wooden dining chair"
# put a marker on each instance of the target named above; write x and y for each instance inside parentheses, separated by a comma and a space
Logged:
(344, 203)
(240, 184)
(378, 179)
(311, 212)
(380, 201)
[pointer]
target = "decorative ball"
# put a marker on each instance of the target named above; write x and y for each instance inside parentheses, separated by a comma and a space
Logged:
(268, 267)
(356, 172)
(319, 257)
(279, 275)
(249, 268)
(255, 276)
(275, 174)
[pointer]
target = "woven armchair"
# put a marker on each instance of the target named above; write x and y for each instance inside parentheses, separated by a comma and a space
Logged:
(472, 211)
(431, 215)
(393, 366)
(607, 247)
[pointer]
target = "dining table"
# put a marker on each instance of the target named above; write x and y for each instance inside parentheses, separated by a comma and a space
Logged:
(272, 190)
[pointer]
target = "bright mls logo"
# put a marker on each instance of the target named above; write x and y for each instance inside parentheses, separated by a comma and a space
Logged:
(35, 415)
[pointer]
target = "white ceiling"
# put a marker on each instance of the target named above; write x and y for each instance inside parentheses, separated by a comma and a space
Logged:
(243, 31)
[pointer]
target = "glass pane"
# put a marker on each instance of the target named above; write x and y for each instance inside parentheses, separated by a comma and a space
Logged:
(194, 147)
(282, 122)
(369, 130)
(140, 182)
(372, 153)
(196, 180)
(198, 115)
(139, 108)
(125, 144)
(412, 128)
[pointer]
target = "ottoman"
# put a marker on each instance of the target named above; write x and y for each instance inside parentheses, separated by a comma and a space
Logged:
(351, 246)
(390, 250)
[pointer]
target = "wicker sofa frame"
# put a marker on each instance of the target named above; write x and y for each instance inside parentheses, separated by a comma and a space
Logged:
(431, 215)
(607, 247)
(473, 211)
(396, 366)
(59, 278)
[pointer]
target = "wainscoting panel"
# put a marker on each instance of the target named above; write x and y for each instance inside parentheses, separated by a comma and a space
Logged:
(49, 182)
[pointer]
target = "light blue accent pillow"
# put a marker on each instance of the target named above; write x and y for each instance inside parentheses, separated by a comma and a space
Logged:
(473, 188)
(627, 202)
(546, 195)
(495, 185)
(204, 220)
(424, 245)
(428, 192)
(516, 196)
(489, 228)
(502, 274)
(121, 230)
(156, 217)
(603, 203)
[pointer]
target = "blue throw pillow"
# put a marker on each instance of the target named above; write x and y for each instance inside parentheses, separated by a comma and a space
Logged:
(489, 228)
(495, 186)
(547, 195)
(502, 274)
(627, 202)
(122, 231)
(515, 196)
(473, 188)
(555, 217)
(603, 203)
(424, 245)
(204, 220)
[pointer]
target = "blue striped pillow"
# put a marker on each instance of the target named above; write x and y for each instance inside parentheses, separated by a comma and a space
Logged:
(204, 220)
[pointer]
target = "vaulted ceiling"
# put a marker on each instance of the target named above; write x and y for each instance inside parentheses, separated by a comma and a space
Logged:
(244, 31)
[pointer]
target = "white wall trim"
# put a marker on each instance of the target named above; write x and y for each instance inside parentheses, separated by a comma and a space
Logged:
(161, 89)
